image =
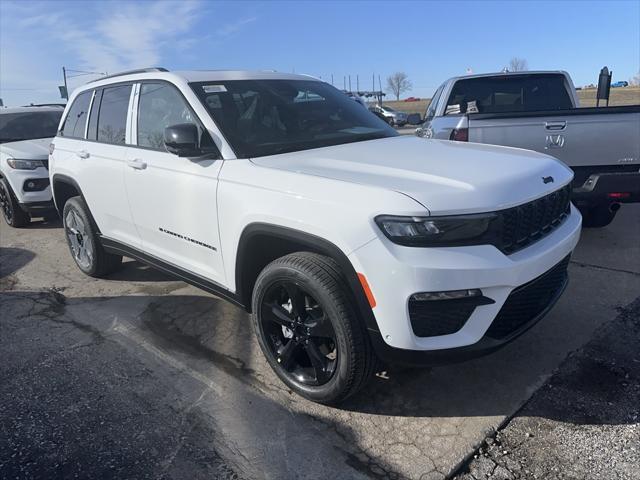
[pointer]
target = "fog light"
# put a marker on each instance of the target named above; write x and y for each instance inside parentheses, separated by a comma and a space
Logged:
(449, 295)
(35, 184)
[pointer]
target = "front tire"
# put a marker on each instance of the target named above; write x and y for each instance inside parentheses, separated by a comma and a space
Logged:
(11, 211)
(83, 241)
(308, 330)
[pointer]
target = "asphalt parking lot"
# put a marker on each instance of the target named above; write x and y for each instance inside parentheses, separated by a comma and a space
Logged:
(142, 376)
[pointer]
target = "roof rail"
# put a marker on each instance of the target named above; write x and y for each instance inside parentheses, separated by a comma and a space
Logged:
(130, 72)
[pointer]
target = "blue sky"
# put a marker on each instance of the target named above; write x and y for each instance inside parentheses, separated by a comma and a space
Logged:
(430, 41)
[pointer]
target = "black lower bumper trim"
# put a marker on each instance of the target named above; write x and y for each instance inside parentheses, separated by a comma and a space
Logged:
(484, 346)
(37, 207)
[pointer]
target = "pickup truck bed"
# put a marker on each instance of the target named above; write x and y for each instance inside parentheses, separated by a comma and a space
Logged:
(606, 172)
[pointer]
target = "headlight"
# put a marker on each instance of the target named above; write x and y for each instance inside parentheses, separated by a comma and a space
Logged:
(24, 164)
(437, 231)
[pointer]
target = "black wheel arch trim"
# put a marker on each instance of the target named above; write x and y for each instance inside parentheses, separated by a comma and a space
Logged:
(316, 244)
(61, 178)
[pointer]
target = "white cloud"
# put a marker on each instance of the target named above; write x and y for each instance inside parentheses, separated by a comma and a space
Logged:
(235, 27)
(38, 38)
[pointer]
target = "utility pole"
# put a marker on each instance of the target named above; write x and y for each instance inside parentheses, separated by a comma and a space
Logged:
(66, 88)
(332, 79)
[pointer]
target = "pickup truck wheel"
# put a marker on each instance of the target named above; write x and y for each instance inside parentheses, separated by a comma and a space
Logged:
(308, 330)
(597, 217)
(11, 211)
(83, 241)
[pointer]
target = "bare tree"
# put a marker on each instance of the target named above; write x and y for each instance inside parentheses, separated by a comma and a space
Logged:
(517, 64)
(398, 83)
(635, 80)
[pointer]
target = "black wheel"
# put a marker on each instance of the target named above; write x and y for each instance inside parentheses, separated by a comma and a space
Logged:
(308, 330)
(11, 210)
(597, 217)
(84, 245)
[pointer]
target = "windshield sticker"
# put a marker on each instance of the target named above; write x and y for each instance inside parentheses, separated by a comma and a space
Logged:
(214, 88)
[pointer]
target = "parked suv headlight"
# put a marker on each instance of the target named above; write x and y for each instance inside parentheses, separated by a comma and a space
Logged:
(436, 231)
(24, 164)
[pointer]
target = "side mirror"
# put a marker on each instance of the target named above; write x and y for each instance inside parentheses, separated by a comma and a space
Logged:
(414, 119)
(182, 140)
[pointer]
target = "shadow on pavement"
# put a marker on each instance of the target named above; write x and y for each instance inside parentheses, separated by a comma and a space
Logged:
(133, 271)
(69, 380)
(13, 259)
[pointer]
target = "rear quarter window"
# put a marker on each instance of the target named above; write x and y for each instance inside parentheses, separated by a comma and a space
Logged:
(76, 120)
(509, 93)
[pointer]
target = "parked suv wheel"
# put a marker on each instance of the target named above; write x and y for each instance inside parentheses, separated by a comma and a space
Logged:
(11, 210)
(83, 241)
(597, 217)
(308, 330)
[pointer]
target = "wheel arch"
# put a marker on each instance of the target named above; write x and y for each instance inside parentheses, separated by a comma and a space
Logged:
(261, 243)
(63, 187)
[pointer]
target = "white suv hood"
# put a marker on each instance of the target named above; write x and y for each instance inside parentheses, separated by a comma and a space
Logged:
(36, 149)
(445, 177)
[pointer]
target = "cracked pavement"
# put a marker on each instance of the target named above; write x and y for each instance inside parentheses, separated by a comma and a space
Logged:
(142, 376)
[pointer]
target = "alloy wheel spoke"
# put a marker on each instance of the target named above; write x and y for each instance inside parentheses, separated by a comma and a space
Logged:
(285, 356)
(297, 297)
(279, 315)
(318, 361)
(320, 325)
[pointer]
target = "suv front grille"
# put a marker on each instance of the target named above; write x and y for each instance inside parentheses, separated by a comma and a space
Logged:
(524, 224)
(529, 301)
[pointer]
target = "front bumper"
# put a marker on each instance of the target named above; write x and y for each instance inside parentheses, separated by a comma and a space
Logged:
(38, 208)
(394, 273)
(18, 178)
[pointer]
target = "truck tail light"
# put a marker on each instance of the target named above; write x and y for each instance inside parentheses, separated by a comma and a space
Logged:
(459, 135)
(619, 195)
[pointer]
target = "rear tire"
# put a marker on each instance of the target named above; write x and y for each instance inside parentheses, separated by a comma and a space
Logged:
(301, 307)
(11, 211)
(84, 244)
(597, 217)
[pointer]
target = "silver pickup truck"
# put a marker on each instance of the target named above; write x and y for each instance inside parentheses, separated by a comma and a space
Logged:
(538, 111)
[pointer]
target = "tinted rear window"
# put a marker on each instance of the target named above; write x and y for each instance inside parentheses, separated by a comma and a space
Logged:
(510, 93)
(76, 120)
(112, 119)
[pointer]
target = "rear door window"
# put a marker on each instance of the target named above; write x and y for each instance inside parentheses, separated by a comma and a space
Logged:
(76, 121)
(509, 93)
(112, 116)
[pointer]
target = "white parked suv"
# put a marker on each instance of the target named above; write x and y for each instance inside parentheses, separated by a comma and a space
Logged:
(25, 135)
(347, 242)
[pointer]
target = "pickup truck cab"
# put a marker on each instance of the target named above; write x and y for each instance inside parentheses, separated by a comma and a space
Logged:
(539, 111)
(346, 242)
(25, 135)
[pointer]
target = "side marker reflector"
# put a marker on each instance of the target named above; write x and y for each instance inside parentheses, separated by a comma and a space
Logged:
(367, 290)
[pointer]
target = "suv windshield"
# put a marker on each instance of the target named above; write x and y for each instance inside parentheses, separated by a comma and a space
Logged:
(15, 127)
(509, 93)
(267, 117)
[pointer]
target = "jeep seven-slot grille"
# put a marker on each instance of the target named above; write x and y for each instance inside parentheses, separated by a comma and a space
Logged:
(524, 224)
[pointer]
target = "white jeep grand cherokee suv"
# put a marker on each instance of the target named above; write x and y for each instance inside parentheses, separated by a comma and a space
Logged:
(347, 242)
(25, 135)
